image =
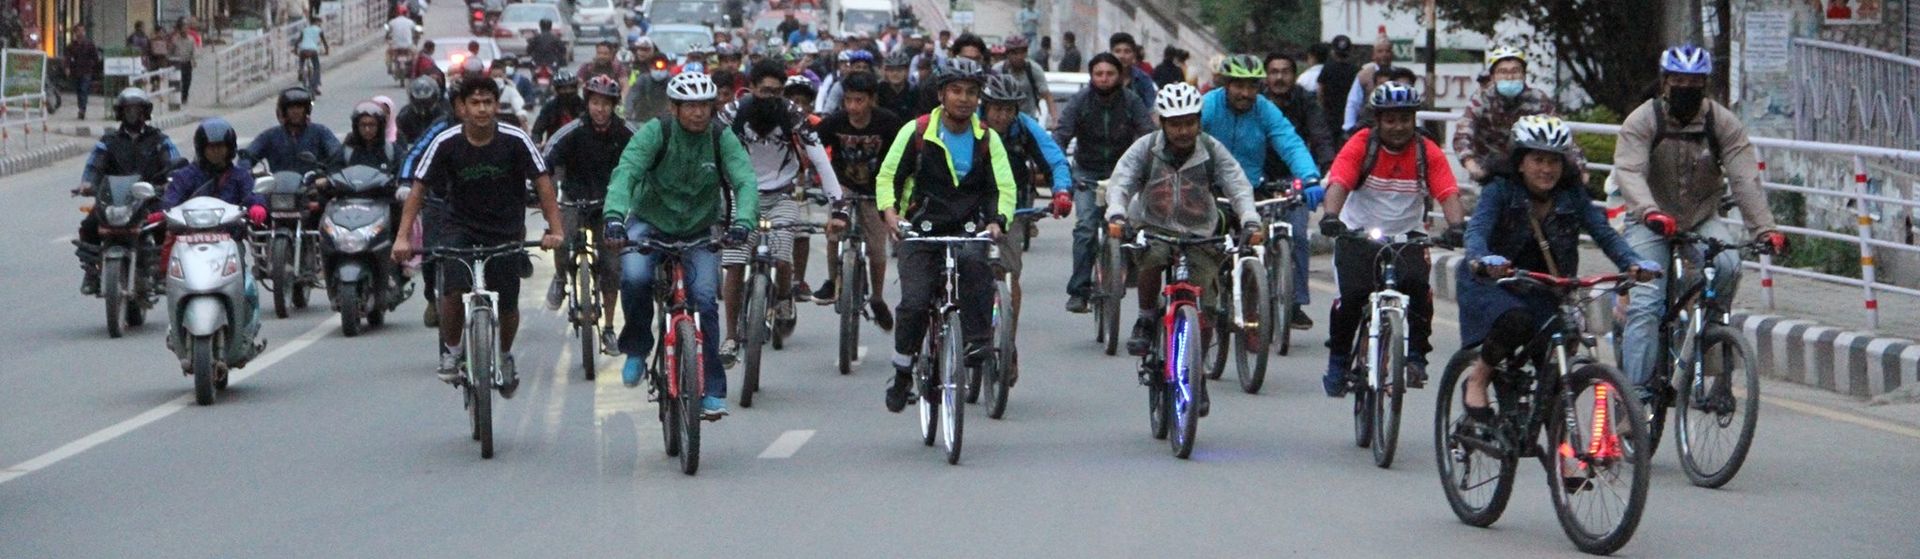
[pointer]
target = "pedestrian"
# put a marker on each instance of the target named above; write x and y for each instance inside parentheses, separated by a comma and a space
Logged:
(159, 48)
(1336, 77)
(1045, 57)
(1069, 53)
(83, 65)
(1170, 70)
(1316, 58)
(185, 44)
(138, 41)
(1029, 21)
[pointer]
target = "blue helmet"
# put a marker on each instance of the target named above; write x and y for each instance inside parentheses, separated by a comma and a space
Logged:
(1395, 96)
(858, 55)
(1686, 59)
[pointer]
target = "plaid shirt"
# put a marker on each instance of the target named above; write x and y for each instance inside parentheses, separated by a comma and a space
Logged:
(1485, 131)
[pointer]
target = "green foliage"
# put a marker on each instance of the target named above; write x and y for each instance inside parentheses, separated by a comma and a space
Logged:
(1607, 46)
(1261, 26)
(1840, 258)
(1598, 147)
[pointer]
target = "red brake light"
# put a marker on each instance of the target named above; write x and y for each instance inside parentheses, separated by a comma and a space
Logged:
(477, 14)
(659, 63)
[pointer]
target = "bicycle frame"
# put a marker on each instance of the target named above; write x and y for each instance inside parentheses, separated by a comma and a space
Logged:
(1387, 302)
(1567, 348)
(677, 311)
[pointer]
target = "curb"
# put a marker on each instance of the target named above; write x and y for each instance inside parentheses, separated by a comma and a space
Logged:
(35, 158)
(1854, 363)
(92, 130)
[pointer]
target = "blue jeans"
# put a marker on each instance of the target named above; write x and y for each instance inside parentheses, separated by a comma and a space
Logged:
(1301, 294)
(1648, 301)
(1089, 213)
(82, 86)
(636, 298)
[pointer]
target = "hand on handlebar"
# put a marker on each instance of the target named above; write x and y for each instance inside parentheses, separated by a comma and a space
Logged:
(1775, 243)
(1116, 227)
(1062, 205)
(1254, 234)
(1313, 195)
(1644, 271)
(82, 190)
(1493, 266)
(1332, 227)
(615, 235)
(737, 236)
(402, 249)
(552, 240)
(1661, 223)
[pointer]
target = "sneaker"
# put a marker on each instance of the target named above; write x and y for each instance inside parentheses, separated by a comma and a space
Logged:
(882, 316)
(1335, 381)
(1416, 374)
(712, 408)
(900, 390)
(609, 341)
(729, 353)
(431, 316)
(509, 379)
(1077, 304)
(90, 283)
(633, 371)
(450, 366)
(801, 292)
(826, 294)
(1141, 344)
(1300, 320)
(556, 294)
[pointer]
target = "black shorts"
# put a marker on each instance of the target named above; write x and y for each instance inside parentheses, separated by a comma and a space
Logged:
(503, 273)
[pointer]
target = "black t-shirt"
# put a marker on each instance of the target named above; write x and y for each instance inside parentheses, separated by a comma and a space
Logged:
(1336, 78)
(485, 186)
(857, 152)
(587, 156)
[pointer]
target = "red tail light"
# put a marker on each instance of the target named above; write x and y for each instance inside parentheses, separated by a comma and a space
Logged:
(477, 14)
(659, 63)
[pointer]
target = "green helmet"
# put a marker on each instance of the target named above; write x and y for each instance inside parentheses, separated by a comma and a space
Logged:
(1243, 67)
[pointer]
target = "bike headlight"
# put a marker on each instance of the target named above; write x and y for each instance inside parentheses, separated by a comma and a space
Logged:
(117, 216)
(204, 219)
(353, 239)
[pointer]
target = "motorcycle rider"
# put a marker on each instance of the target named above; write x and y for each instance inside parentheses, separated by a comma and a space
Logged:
(511, 102)
(584, 154)
(546, 49)
(424, 66)
(213, 174)
(367, 143)
(134, 148)
(280, 146)
(565, 107)
(424, 107)
(646, 85)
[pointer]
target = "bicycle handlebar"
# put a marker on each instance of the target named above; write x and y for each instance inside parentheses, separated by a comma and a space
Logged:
(1716, 246)
(484, 252)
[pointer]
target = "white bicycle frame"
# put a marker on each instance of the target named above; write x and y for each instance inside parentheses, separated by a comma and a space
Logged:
(1259, 258)
(1382, 305)
(479, 300)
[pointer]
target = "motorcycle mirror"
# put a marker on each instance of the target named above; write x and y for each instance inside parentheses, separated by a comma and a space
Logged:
(141, 190)
(263, 185)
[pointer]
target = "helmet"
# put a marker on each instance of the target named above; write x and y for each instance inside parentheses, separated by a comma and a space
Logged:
(1016, 42)
(694, 67)
(423, 89)
(603, 85)
(369, 108)
(1541, 132)
(1686, 59)
(1243, 67)
(215, 131)
(1177, 99)
(725, 50)
(691, 86)
(289, 97)
(1504, 52)
(856, 55)
(957, 69)
(807, 47)
(1395, 96)
(400, 10)
(636, 40)
(132, 97)
(898, 59)
(1002, 88)
(800, 84)
(565, 78)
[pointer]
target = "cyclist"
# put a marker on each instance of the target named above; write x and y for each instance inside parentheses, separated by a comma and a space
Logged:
(801, 92)
(1295, 100)
(1492, 111)
(857, 138)
(1026, 74)
(478, 170)
(647, 85)
(585, 152)
(1251, 127)
(852, 61)
(280, 147)
(1678, 155)
(897, 93)
(1380, 183)
(565, 107)
(309, 44)
(603, 63)
(781, 144)
(133, 148)
(1530, 216)
(1106, 118)
(1036, 162)
(675, 181)
(949, 171)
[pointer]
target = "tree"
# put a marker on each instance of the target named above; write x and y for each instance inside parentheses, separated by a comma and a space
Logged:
(1259, 26)
(1604, 45)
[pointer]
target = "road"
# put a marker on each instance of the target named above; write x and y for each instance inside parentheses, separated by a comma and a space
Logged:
(335, 447)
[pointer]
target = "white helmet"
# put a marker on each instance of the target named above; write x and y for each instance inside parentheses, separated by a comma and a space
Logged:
(691, 86)
(1542, 132)
(1503, 52)
(1177, 99)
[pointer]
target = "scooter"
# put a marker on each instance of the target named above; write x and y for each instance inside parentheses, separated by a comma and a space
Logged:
(127, 252)
(211, 300)
(356, 233)
(289, 247)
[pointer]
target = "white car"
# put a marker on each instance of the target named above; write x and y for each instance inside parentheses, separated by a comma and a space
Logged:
(675, 39)
(597, 18)
(522, 21)
(450, 52)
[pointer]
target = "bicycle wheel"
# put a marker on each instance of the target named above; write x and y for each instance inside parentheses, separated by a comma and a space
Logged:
(1361, 368)
(481, 360)
(1217, 341)
(952, 373)
(687, 347)
(1184, 391)
(1477, 479)
(1114, 288)
(1250, 343)
(848, 304)
(668, 405)
(1717, 413)
(925, 382)
(1280, 277)
(586, 304)
(1599, 474)
(996, 374)
(1156, 408)
(753, 325)
(1392, 353)
(1663, 394)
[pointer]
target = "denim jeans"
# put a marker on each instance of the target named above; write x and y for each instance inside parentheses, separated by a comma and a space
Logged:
(702, 268)
(1089, 215)
(1648, 301)
(1301, 255)
(82, 86)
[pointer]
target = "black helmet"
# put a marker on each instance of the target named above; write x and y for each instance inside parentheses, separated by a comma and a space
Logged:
(959, 69)
(423, 89)
(293, 96)
(215, 131)
(133, 97)
(565, 78)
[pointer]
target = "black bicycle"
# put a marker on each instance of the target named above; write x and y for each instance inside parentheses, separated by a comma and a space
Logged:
(1111, 272)
(994, 381)
(940, 378)
(851, 301)
(765, 318)
(584, 299)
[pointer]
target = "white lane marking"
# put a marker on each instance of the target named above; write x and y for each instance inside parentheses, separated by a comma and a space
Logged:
(160, 412)
(788, 443)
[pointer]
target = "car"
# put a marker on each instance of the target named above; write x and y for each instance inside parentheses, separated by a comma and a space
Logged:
(768, 22)
(566, 8)
(675, 39)
(1063, 85)
(597, 18)
(452, 51)
(695, 12)
(522, 21)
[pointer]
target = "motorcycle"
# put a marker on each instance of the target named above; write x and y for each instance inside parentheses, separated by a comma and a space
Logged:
(128, 252)
(542, 85)
(211, 300)
(400, 60)
(482, 20)
(289, 247)
(357, 235)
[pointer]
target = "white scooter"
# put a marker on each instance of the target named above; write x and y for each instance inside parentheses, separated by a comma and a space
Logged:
(211, 300)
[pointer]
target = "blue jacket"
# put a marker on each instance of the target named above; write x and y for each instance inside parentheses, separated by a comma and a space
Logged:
(282, 151)
(235, 186)
(1250, 135)
(1050, 152)
(1144, 88)
(420, 147)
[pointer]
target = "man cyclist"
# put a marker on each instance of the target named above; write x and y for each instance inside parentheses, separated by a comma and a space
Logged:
(1251, 127)
(949, 172)
(565, 107)
(546, 49)
(584, 152)
(1485, 125)
(896, 92)
(852, 61)
(646, 84)
(1166, 183)
(1106, 118)
(478, 170)
(780, 143)
(133, 148)
(280, 147)
(857, 138)
(1036, 162)
(1291, 95)
(1679, 154)
(1031, 80)
(675, 181)
(309, 44)
(1380, 183)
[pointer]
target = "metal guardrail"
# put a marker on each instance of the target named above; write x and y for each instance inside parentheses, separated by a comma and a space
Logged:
(1854, 190)
(247, 64)
(26, 113)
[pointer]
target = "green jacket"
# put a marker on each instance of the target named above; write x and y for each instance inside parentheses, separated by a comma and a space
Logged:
(681, 196)
(891, 178)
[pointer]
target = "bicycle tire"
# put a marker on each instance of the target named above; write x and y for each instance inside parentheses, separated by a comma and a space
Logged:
(1114, 291)
(754, 326)
(1721, 348)
(1450, 454)
(925, 378)
(585, 303)
(995, 381)
(668, 404)
(1281, 277)
(1250, 344)
(481, 360)
(1184, 389)
(1386, 399)
(1156, 408)
(1661, 387)
(1594, 375)
(851, 297)
(687, 347)
(953, 370)
(1362, 393)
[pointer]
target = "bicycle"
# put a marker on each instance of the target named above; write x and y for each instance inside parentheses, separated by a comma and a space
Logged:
(992, 381)
(1173, 370)
(479, 371)
(1377, 372)
(1697, 340)
(1594, 430)
(937, 369)
(1110, 279)
(584, 299)
(765, 317)
(1279, 259)
(851, 301)
(1245, 327)
(677, 375)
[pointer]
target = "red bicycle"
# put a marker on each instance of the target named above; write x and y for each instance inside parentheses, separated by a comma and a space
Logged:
(1174, 370)
(677, 371)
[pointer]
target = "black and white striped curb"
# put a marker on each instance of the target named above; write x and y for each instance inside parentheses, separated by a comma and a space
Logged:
(22, 159)
(1858, 364)
(95, 129)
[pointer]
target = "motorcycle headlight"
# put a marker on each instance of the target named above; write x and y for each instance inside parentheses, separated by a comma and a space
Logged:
(351, 239)
(117, 216)
(204, 219)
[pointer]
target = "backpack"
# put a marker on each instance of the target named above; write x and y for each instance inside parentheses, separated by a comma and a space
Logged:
(793, 140)
(666, 139)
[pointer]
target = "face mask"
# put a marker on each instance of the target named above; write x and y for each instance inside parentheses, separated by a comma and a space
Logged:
(1683, 103)
(659, 75)
(1509, 88)
(763, 113)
